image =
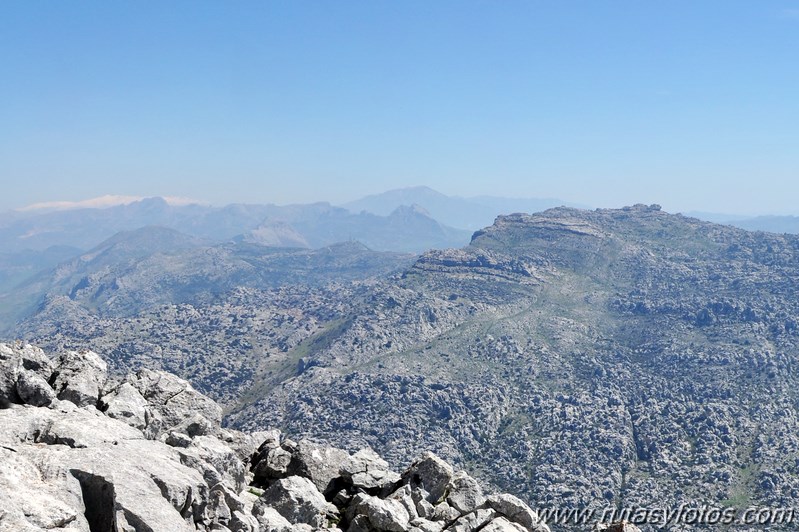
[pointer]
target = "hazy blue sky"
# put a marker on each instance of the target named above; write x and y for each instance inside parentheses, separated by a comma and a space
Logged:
(691, 104)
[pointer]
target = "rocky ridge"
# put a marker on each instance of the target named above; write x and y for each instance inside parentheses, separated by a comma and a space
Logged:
(87, 452)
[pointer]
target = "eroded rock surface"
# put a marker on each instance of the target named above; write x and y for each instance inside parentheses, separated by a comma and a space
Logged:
(147, 454)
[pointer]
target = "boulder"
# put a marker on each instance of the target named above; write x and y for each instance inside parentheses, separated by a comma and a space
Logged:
(79, 377)
(465, 494)
(28, 362)
(423, 525)
(432, 474)
(516, 511)
(360, 523)
(270, 520)
(367, 471)
(298, 500)
(320, 464)
(34, 390)
(245, 444)
(215, 461)
(176, 404)
(474, 520)
(126, 404)
(229, 506)
(384, 514)
(64, 424)
(444, 512)
(500, 524)
(404, 495)
(272, 463)
(145, 480)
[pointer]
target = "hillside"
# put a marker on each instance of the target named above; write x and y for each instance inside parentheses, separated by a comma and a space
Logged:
(623, 357)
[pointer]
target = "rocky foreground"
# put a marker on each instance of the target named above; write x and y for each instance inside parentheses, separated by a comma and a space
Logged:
(80, 450)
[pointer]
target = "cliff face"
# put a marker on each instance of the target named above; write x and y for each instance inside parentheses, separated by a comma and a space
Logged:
(82, 451)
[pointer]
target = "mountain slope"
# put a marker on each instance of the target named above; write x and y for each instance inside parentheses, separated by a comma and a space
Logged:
(621, 358)
(624, 357)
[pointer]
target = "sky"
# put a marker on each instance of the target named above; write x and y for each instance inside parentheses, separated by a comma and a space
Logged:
(690, 104)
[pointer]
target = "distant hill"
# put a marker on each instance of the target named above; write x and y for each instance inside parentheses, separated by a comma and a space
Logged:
(466, 213)
(772, 224)
(135, 270)
(21, 265)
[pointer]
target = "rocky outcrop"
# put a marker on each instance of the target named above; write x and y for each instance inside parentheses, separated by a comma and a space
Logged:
(79, 377)
(29, 366)
(147, 454)
(308, 483)
(72, 466)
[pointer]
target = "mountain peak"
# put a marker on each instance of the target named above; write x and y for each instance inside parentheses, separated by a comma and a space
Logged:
(411, 210)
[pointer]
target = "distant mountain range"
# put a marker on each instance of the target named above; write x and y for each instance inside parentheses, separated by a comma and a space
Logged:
(408, 220)
(465, 213)
(36, 240)
(139, 269)
(312, 225)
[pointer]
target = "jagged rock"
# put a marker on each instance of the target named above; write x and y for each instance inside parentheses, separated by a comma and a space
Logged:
(517, 511)
(432, 474)
(473, 521)
(425, 509)
(319, 463)
(444, 512)
(360, 523)
(226, 509)
(272, 463)
(142, 479)
(217, 508)
(423, 525)
(217, 462)
(177, 405)
(245, 444)
(270, 520)
(18, 361)
(404, 494)
(65, 424)
(383, 514)
(366, 470)
(34, 390)
(464, 493)
(178, 439)
(500, 524)
(79, 377)
(298, 500)
(126, 404)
